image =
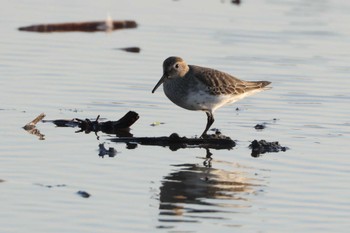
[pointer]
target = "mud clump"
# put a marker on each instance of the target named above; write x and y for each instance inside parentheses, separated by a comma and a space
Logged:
(260, 126)
(262, 147)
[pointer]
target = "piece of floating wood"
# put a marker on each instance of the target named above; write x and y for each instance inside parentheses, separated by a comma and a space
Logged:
(31, 127)
(32, 124)
(175, 142)
(262, 147)
(109, 127)
(81, 26)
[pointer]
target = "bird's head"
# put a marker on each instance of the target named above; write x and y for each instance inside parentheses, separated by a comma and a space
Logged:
(173, 67)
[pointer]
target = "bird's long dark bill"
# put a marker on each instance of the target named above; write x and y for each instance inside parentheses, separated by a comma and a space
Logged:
(159, 83)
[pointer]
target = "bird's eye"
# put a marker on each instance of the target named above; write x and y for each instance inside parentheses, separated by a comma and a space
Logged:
(176, 65)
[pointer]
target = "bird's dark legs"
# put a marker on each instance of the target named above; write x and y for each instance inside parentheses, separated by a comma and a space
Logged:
(210, 121)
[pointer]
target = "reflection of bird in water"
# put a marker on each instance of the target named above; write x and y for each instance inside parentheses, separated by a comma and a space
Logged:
(196, 189)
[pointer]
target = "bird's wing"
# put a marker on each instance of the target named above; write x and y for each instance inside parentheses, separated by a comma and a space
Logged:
(219, 82)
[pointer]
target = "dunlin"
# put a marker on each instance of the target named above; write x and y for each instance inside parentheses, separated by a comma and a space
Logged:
(200, 88)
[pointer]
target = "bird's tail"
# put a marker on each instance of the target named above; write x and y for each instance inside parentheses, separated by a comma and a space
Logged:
(257, 85)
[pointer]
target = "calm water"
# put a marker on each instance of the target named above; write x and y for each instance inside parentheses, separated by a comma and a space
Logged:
(302, 47)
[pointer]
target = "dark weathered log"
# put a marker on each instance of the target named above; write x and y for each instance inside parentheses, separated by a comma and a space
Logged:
(81, 26)
(175, 142)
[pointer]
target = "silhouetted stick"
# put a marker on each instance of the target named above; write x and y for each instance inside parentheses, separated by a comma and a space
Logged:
(82, 26)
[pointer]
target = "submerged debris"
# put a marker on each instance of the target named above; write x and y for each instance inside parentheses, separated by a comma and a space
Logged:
(51, 186)
(262, 147)
(107, 25)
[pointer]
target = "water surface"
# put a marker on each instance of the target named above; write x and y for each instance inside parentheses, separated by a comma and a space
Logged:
(301, 47)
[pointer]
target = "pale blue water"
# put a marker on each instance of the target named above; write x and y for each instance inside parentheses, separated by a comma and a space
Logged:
(302, 47)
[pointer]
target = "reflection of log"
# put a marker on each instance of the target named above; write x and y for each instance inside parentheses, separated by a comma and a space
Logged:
(175, 142)
(110, 127)
(82, 27)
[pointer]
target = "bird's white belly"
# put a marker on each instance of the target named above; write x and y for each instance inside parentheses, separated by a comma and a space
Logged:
(197, 98)
(203, 101)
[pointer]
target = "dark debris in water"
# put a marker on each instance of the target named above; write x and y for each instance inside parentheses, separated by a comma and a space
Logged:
(83, 194)
(260, 126)
(262, 147)
(51, 186)
(237, 2)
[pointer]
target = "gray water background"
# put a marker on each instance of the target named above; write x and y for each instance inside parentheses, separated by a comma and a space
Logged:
(302, 47)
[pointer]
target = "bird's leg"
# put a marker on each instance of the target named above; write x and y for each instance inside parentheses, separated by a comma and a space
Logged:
(210, 121)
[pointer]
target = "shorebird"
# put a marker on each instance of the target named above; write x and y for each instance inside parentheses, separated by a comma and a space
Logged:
(203, 89)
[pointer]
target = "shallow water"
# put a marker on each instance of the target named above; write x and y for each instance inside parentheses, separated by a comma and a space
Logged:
(301, 47)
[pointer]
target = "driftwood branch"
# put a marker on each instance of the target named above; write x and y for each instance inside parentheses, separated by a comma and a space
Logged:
(109, 127)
